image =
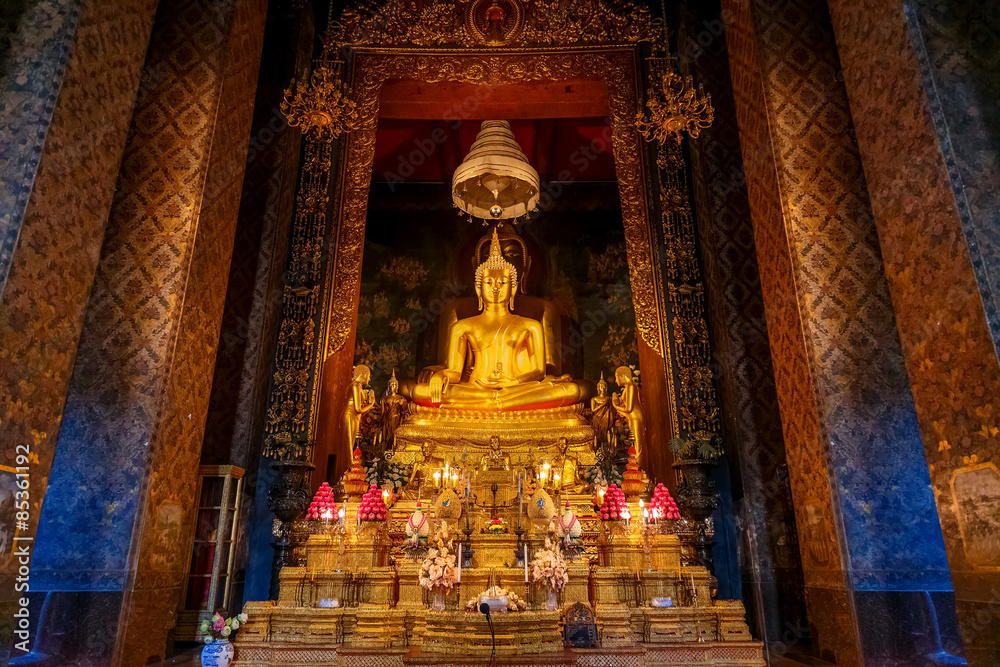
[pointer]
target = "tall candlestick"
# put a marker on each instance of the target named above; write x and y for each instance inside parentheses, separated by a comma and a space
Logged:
(459, 577)
(525, 563)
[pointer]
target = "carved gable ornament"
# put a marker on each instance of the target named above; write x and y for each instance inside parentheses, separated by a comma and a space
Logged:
(498, 23)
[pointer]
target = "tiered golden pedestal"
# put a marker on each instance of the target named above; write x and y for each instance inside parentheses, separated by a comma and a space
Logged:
(383, 617)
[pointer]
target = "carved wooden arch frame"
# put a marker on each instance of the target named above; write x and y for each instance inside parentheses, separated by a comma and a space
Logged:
(618, 66)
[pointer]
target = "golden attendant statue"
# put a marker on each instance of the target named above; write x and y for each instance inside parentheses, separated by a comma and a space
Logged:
(628, 406)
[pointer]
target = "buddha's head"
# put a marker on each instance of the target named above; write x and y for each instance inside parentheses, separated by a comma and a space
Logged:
(512, 248)
(623, 375)
(393, 387)
(496, 278)
(362, 373)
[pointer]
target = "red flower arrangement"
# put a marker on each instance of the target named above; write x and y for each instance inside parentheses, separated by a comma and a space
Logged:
(372, 506)
(323, 506)
(614, 507)
(662, 505)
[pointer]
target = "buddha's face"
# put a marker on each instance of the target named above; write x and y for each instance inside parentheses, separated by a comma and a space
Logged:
(602, 388)
(393, 387)
(511, 251)
(496, 286)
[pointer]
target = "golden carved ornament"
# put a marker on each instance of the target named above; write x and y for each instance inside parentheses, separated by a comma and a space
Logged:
(499, 23)
(673, 106)
(320, 108)
(698, 408)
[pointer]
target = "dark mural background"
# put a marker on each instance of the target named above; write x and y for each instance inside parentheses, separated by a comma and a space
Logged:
(418, 259)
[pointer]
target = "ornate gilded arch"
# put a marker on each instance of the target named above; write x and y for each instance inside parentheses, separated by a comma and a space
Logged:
(467, 41)
(616, 67)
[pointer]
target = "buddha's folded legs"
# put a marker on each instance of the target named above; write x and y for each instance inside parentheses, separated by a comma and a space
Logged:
(542, 394)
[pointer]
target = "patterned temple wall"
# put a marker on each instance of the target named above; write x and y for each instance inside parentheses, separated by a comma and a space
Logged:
(864, 511)
(35, 44)
(117, 516)
(243, 366)
(916, 93)
(771, 571)
(51, 272)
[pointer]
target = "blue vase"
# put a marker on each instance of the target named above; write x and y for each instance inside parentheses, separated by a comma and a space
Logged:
(217, 654)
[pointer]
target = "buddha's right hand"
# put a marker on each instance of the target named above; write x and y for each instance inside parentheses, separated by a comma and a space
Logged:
(437, 385)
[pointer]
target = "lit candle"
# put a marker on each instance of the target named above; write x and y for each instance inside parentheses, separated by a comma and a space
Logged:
(555, 479)
(437, 479)
(525, 563)
(341, 513)
(459, 577)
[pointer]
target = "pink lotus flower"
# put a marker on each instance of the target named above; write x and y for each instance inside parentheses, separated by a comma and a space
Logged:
(218, 623)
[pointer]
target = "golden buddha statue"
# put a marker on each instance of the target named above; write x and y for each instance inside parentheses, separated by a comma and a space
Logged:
(508, 370)
(554, 318)
(627, 404)
(600, 408)
(394, 407)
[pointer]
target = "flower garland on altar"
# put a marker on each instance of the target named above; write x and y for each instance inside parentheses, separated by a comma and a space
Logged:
(438, 569)
(514, 603)
(549, 567)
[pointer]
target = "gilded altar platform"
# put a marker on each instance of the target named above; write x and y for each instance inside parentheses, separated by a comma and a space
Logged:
(478, 429)
(732, 654)
(384, 618)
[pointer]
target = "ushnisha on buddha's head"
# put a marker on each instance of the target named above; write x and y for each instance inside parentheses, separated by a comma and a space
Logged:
(496, 278)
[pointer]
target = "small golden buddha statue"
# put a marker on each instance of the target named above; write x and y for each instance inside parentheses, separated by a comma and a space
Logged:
(393, 407)
(627, 404)
(600, 407)
(507, 350)
(359, 401)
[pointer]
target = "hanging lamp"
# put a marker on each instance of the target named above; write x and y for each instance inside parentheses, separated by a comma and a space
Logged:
(495, 180)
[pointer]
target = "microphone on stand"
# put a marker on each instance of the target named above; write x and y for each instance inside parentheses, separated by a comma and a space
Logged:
(485, 609)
